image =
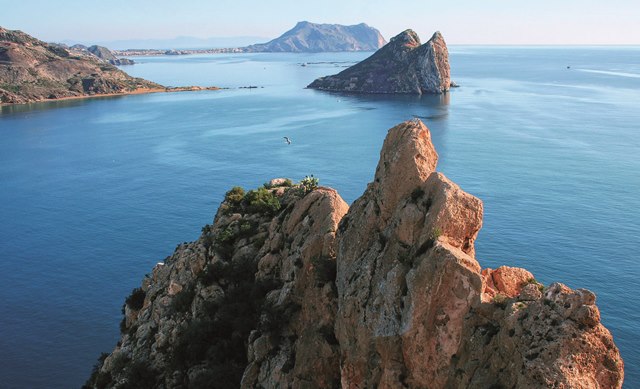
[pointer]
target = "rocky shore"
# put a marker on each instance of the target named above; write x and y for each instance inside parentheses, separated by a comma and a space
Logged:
(291, 287)
(403, 66)
(32, 70)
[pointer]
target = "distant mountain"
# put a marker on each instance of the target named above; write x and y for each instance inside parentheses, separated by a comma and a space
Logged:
(182, 42)
(311, 37)
(32, 70)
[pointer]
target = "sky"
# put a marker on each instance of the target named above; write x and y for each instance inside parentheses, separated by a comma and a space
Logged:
(510, 22)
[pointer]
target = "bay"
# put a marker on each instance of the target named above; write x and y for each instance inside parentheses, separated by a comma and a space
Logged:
(94, 192)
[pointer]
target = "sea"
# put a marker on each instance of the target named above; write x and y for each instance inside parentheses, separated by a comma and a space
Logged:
(95, 192)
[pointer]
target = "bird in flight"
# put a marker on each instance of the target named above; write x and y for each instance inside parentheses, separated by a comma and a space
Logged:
(286, 139)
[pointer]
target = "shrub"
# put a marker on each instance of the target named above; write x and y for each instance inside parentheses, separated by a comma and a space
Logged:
(500, 300)
(139, 376)
(182, 301)
(217, 338)
(262, 201)
(535, 282)
(435, 233)
(234, 196)
(247, 228)
(309, 184)
(224, 241)
(135, 300)
(98, 379)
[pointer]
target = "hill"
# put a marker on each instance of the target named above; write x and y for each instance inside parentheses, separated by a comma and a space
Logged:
(312, 37)
(33, 70)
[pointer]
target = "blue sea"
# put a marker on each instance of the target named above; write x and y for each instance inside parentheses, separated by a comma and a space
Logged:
(94, 192)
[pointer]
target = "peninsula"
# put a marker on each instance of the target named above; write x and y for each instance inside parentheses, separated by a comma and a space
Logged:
(32, 70)
(304, 37)
(291, 287)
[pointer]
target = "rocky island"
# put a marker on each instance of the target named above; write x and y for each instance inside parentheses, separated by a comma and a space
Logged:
(307, 37)
(32, 70)
(402, 66)
(291, 287)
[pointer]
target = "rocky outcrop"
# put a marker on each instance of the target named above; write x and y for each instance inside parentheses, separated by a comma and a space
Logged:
(32, 70)
(291, 288)
(403, 66)
(106, 55)
(308, 37)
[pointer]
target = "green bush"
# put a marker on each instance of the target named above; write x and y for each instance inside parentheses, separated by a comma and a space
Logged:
(224, 242)
(262, 201)
(309, 184)
(234, 198)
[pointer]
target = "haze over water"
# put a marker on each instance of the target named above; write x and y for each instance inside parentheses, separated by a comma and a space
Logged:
(95, 192)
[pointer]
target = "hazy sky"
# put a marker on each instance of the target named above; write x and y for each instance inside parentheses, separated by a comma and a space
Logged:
(460, 21)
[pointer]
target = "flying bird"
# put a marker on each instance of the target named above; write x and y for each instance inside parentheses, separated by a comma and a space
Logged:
(286, 139)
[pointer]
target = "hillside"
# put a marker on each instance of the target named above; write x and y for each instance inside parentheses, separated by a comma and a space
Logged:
(312, 37)
(32, 70)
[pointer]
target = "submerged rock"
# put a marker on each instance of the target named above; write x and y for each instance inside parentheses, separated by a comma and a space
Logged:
(291, 288)
(401, 66)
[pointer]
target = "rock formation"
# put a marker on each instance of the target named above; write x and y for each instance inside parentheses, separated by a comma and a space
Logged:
(32, 70)
(291, 288)
(311, 37)
(106, 55)
(402, 66)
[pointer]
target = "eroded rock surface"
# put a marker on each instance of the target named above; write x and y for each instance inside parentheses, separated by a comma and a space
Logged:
(308, 293)
(402, 66)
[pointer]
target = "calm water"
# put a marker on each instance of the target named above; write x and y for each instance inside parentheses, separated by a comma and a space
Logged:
(93, 193)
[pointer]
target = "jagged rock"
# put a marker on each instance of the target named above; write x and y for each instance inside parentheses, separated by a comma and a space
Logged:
(32, 70)
(311, 37)
(401, 66)
(306, 293)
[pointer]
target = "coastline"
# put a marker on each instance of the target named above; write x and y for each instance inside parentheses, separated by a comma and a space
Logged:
(139, 91)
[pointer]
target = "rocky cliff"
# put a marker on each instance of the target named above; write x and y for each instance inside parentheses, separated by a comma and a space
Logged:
(32, 70)
(311, 37)
(404, 65)
(290, 287)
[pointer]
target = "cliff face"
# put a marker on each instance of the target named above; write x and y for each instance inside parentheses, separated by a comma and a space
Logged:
(291, 288)
(402, 66)
(32, 70)
(312, 37)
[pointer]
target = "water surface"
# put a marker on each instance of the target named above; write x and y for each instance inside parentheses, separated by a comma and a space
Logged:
(94, 192)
